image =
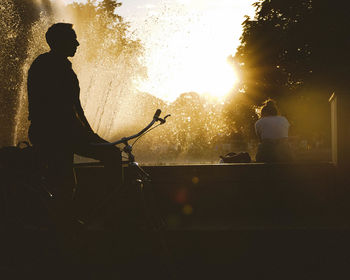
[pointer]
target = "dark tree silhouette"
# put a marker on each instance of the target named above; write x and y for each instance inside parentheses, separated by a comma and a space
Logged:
(297, 52)
(291, 44)
(274, 55)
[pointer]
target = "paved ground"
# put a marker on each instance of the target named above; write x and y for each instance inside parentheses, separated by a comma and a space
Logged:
(249, 253)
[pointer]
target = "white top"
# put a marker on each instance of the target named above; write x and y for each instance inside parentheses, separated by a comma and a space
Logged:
(272, 127)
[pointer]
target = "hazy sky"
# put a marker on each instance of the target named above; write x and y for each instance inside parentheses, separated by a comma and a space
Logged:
(187, 42)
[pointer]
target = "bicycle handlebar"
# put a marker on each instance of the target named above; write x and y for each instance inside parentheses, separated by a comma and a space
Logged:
(125, 139)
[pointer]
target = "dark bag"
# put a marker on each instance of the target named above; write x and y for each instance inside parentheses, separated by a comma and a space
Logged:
(21, 203)
(242, 157)
(17, 159)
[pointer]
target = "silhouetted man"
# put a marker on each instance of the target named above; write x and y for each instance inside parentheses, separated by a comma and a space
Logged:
(58, 126)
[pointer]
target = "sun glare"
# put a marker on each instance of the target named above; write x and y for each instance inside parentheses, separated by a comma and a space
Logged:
(219, 80)
(186, 44)
(186, 51)
(189, 72)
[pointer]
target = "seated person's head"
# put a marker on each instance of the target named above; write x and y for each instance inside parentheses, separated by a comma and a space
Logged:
(62, 39)
(269, 108)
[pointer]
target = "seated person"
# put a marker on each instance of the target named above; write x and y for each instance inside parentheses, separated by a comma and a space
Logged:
(272, 131)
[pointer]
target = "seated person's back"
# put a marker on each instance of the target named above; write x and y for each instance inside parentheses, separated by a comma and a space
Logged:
(272, 131)
(272, 127)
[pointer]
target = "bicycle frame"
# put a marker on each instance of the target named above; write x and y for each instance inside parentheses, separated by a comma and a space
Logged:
(141, 178)
(144, 176)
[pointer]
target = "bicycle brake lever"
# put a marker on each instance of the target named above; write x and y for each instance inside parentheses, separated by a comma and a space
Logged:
(162, 121)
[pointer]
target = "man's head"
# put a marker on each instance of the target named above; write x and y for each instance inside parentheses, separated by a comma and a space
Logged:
(62, 39)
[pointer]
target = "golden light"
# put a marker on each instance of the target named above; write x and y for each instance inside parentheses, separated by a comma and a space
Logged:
(213, 77)
(217, 78)
(187, 50)
(186, 44)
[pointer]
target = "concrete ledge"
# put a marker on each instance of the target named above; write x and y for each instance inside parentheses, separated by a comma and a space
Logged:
(239, 195)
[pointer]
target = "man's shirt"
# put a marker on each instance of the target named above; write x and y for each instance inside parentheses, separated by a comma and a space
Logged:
(53, 96)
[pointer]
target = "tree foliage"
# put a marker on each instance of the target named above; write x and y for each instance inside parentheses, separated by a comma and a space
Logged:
(293, 44)
(274, 55)
(102, 29)
(296, 51)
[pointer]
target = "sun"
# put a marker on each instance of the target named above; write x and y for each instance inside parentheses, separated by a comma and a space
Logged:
(217, 79)
(189, 62)
(187, 52)
(214, 77)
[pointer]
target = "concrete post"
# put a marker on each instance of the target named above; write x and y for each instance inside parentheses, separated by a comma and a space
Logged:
(340, 128)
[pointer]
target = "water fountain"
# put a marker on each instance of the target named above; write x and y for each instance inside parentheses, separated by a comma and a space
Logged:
(109, 62)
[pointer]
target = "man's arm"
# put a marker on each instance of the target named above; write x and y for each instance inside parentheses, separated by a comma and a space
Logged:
(94, 137)
(81, 116)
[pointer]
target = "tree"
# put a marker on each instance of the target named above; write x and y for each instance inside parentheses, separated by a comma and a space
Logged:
(274, 55)
(296, 51)
(109, 6)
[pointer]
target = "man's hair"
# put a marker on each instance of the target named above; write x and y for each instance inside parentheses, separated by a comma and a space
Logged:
(58, 33)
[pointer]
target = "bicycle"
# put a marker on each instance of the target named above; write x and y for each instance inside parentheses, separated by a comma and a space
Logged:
(141, 192)
(140, 179)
